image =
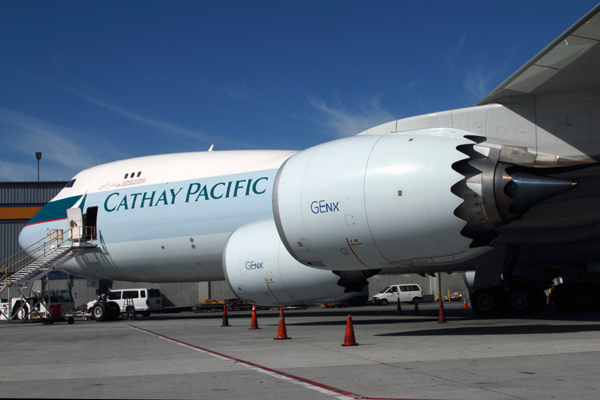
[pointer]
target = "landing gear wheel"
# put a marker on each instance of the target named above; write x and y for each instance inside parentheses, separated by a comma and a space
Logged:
(100, 311)
(383, 302)
(583, 297)
(488, 302)
(115, 311)
(521, 300)
(561, 296)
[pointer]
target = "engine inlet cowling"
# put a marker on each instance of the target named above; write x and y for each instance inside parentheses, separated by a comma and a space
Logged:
(259, 270)
(370, 202)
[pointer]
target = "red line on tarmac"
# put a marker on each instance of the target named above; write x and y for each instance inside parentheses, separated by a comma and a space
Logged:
(325, 389)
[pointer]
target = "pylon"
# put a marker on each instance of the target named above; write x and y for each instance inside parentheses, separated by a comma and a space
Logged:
(254, 324)
(349, 340)
(417, 309)
(442, 318)
(399, 308)
(281, 331)
(225, 319)
(465, 303)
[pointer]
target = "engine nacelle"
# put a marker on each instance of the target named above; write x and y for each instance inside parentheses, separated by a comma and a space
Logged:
(367, 202)
(260, 270)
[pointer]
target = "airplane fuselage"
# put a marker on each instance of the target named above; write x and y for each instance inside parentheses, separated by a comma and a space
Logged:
(163, 213)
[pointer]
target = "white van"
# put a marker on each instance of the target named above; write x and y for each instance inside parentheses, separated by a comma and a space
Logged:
(410, 293)
(144, 301)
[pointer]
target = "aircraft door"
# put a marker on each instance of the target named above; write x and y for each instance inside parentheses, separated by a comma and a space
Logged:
(91, 218)
(75, 223)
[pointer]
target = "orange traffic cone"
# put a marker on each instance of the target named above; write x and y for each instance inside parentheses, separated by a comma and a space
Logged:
(254, 324)
(465, 303)
(349, 340)
(399, 308)
(225, 319)
(281, 331)
(442, 318)
(417, 309)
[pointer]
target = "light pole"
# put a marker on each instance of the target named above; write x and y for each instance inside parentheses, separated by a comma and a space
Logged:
(38, 155)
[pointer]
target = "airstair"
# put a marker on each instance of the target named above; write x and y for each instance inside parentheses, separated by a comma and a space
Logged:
(41, 258)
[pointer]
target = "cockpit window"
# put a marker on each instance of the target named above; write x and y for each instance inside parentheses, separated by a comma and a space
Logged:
(126, 175)
(71, 183)
(139, 173)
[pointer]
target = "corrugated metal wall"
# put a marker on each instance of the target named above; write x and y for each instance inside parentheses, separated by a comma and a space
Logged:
(22, 193)
(9, 234)
(29, 192)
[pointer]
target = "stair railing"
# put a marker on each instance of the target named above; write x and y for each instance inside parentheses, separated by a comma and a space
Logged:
(55, 238)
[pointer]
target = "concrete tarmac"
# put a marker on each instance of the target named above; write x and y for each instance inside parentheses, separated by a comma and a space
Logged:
(554, 355)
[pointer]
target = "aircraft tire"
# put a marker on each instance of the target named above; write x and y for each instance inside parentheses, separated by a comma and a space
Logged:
(521, 300)
(115, 311)
(583, 296)
(561, 296)
(488, 302)
(100, 311)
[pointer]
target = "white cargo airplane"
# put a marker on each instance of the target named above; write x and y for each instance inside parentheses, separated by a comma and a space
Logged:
(486, 188)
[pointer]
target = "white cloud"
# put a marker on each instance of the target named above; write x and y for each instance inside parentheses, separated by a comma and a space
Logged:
(17, 172)
(149, 122)
(63, 150)
(454, 53)
(343, 122)
(477, 82)
(239, 93)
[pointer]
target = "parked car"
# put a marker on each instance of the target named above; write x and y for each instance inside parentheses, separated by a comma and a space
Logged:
(454, 296)
(143, 301)
(409, 293)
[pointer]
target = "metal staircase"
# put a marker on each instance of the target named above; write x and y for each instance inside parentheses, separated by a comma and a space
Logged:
(44, 255)
(40, 267)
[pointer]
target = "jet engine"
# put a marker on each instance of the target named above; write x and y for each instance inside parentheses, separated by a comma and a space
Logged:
(259, 270)
(372, 202)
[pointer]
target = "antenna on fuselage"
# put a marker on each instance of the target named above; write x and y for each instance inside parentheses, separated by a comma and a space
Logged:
(211, 147)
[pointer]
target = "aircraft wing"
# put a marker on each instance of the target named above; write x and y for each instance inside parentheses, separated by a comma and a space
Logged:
(569, 64)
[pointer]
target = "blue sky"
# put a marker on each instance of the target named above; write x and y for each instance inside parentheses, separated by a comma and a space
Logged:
(89, 82)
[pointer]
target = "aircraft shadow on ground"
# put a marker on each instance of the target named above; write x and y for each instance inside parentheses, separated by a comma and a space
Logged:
(499, 330)
(386, 315)
(390, 320)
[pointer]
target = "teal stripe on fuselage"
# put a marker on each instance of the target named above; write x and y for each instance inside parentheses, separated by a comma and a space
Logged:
(55, 210)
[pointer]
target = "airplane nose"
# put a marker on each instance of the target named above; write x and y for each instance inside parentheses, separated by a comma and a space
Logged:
(29, 235)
